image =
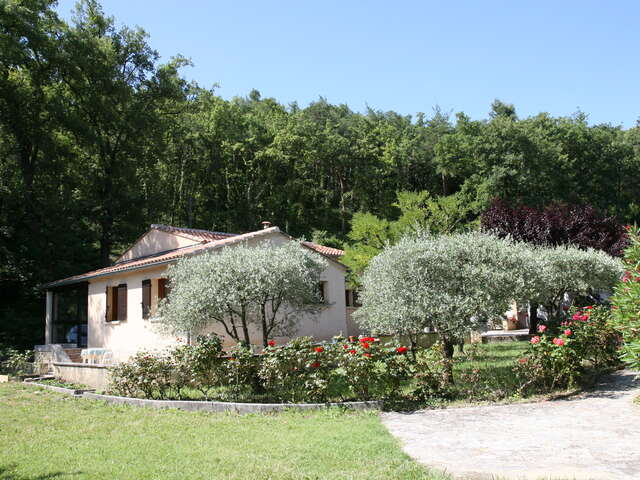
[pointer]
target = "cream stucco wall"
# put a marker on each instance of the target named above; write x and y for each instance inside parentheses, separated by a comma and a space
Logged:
(155, 241)
(125, 338)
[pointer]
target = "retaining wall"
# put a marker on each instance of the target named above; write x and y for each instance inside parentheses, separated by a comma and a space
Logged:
(93, 375)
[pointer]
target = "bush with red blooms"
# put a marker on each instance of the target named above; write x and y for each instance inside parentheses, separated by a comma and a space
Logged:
(626, 301)
(559, 357)
(297, 371)
(370, 370)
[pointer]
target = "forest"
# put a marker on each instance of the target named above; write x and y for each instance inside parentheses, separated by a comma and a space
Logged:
(99, 139)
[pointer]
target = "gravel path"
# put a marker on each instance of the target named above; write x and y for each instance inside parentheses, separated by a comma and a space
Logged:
(593, 436)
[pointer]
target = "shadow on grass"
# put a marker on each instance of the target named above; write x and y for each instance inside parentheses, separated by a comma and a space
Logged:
(9, 472)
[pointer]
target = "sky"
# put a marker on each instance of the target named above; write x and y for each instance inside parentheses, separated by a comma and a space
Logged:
(559, 56)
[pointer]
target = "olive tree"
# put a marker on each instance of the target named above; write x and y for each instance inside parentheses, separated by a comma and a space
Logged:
(569, 269)
(448, 282)
(265, 286)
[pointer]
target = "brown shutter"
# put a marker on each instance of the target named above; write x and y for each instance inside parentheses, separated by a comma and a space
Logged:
(107, 310)
(146, 298)
(122, 302)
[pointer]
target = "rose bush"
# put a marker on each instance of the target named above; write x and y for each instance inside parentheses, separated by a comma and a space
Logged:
(626, 301)
(558, 357)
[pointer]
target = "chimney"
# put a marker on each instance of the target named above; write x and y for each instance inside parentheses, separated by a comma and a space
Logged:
(265, 224)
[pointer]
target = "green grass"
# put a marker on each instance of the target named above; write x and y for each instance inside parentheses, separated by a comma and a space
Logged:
(45, 435)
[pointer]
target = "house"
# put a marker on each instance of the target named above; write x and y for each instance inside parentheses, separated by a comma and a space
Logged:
(111, 309)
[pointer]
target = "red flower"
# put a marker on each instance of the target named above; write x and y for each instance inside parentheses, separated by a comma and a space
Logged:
(401, 349)
(565, 308)
(558, 341)
(319, 349)
(535, 340)
(365, 345)
(628, 228)
(584, 318)
(523, 360)
(590, 307)
(352, 352)
(577, 316)
(368, 355)
(542, 328)
(315, 364)
(271, 343)
(345, 346)
(567, 332)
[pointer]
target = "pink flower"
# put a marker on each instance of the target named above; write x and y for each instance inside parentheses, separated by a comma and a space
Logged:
(567, 332)
(584, 318)
(542, 328)
(535, 340)
(577, 316)
(558, 341)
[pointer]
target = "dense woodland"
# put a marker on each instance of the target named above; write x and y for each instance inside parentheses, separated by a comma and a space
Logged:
(98, 140)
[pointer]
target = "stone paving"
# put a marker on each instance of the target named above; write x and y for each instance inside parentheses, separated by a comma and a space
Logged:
(594, 436)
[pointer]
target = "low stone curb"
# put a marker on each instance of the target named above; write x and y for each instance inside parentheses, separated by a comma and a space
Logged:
(75, 392)
(242, 408)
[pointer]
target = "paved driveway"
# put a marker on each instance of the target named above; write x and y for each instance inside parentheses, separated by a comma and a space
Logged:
(594, 436)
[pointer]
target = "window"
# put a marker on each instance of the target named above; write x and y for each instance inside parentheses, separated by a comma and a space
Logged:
(117, 303)
(322, 292)
(163, 288)
(146, 298)
(351, 297)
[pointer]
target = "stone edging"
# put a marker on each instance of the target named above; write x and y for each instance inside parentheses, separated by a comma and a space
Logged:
(203, 406)
(236, 407)
(76, 392)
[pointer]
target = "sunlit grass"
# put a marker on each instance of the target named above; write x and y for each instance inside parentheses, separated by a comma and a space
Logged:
(48, 435)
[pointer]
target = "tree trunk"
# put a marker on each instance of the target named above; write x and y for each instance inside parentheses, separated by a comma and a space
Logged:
(265, 335)
(533, 318)
(245, 328)
(448, 349)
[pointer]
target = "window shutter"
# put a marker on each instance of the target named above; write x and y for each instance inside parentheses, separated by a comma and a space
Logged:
(122, 302)
(107, 310)
(146, 298)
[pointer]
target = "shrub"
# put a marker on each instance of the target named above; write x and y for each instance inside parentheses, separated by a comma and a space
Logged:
(370, 370)
(558, 357)
(241, 371)
(15, 362)
(146, 374)
(199, 366)
(626, 302)
(297, 371)
(431, 376)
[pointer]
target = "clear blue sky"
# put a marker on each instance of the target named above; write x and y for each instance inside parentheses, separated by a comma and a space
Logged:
(554, 56)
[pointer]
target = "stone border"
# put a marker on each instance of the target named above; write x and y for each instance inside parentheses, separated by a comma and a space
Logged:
(205, 406)
(75, 392)
(235, 407)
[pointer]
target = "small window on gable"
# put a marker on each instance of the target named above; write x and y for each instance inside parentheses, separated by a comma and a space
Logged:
(322, 292)
(146, 298)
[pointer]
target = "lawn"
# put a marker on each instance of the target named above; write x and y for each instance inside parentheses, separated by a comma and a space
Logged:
(45, 435)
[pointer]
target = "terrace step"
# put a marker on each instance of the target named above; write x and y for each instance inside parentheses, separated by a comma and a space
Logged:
(74, 354)
(493, 336)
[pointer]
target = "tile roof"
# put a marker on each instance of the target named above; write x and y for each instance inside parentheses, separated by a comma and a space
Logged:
(192, 233)
(161, 258)
(328, 251)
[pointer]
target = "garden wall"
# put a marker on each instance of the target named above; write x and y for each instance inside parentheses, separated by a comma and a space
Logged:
(93, 375)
